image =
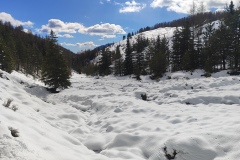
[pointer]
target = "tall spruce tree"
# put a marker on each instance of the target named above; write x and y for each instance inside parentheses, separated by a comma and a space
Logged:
(55, 72)
(232, 20)
(118, 63)
(160, 59)
(6, 61)
(176, 54)
(138, 56)
(105, 62)
(128, 63)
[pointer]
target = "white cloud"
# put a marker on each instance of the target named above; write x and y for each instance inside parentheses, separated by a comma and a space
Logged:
(65, 36)
(109, 36)
(5, 17)
(89, 44)
(108, 1)
(184, 6)
(132, 7)
(58, 26)
(68, 44)
(86, 44)
(104, 29)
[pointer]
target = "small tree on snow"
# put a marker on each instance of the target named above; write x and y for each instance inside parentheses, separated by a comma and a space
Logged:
(55, 72)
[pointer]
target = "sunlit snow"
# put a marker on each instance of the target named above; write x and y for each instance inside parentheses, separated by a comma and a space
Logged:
(106, 119)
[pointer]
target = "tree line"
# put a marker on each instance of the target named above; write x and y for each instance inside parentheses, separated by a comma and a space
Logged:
(40, 57)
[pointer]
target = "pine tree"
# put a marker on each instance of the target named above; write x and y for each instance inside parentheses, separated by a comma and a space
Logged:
(55, 72)
(232, 21)
(231, 8)
(138, 56)
(118, 63)
(160, 59)
(6, 61)
(128, 64)
(176, 54)
(118, 67)
(105, 62)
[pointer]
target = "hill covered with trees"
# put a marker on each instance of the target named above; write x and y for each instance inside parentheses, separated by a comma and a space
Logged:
(208, 41)
(30, 53)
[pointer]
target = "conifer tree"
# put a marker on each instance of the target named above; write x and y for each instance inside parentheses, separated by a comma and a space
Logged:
(55, 72)
(160, 59)
(176, 54)
(138, 56)
(128, 64)
(118, 63)
(232, 20)
(105, 62)
(6, 61)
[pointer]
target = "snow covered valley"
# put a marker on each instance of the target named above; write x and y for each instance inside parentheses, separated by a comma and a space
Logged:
(187, 117)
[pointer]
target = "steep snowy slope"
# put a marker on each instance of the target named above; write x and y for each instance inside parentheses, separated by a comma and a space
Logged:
(167, 32)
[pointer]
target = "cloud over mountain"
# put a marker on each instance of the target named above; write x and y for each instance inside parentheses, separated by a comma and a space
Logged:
(89, 44)
(5, 17)
(59, 26)
(104, 29)
(132, 7)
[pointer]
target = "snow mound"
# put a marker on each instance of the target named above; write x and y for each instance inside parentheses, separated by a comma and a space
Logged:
(106, 118)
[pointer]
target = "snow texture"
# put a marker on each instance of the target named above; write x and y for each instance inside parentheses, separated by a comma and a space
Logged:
(106, 119)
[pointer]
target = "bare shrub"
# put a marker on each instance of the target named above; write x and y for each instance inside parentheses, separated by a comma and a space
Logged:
(144, 97)
(170, 156)
(8, 103)
(14, 108)
(14, 132)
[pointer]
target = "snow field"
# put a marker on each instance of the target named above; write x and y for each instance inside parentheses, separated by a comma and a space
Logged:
(106, 118)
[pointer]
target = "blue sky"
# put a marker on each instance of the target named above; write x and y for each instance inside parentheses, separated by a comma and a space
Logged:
(86, 24)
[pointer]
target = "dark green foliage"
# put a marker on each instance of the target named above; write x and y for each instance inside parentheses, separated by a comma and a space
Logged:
(6, 61)
(231, 9)
(82, 60)
(160, 57)
(55, 72)
(176, 54)
(118, 63)
(90, 69)
(105, 62)
(128, 63)
(138, 57)
(118, 67)
(23, 51)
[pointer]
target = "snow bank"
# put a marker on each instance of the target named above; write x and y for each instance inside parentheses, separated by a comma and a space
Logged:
(106, 118)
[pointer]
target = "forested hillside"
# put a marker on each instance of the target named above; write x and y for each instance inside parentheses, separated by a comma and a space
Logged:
(208, 41)
(31, 54)
(23, 51)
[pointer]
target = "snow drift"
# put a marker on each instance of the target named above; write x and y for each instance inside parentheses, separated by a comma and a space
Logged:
(106, 118)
